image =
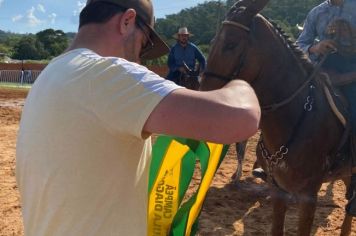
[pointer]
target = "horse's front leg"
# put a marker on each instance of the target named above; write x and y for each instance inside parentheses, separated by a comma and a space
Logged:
(307, 206)
(279, 204)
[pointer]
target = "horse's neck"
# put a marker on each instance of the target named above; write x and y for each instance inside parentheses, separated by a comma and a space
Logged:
(277, 86)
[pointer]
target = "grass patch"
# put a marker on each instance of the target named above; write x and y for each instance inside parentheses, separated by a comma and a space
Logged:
(15, 86)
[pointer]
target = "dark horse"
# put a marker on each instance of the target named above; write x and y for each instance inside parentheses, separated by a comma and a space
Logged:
(300, 134)
(189, 78)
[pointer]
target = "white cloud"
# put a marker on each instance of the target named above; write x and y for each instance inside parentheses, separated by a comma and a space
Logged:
(31, 19)
(52, 17)
(1, 2)
(17, 18)
(41, 8)
(80, 6)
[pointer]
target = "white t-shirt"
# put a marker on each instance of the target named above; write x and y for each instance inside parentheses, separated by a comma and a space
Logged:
(82, 159)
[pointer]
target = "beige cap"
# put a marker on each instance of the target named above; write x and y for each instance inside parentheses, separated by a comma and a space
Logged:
(144, 10)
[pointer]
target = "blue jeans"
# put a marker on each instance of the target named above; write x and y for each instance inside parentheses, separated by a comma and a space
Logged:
(174, 76)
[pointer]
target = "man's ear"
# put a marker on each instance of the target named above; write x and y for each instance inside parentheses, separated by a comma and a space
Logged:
(127, 21)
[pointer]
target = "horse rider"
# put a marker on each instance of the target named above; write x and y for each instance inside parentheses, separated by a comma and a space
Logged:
(182, 55)
(329, 35)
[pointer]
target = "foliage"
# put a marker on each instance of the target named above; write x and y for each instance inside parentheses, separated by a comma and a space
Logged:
(202, 20)
(45, 44)
(161, 61)
(5, 49)
(54, 41)
(29, 48)
(289, 13)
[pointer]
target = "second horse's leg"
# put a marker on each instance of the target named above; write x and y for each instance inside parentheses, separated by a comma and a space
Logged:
(240, 152)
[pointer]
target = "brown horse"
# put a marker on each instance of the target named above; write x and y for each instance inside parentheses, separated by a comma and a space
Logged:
(300, 134)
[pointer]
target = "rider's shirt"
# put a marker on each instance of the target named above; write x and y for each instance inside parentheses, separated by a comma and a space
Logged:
(189, 54)
(318, 19)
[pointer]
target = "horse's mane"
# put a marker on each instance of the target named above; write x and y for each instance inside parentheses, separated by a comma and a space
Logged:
(291, 45)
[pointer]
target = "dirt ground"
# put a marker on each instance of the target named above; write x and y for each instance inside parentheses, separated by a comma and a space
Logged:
(229, 209)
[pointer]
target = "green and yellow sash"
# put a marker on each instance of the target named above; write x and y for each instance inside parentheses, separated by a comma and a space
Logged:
(171, 171)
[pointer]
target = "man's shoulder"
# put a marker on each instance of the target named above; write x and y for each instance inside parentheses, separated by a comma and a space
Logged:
(175, 47)
(322, 7)
(190, 44)
(87, 60)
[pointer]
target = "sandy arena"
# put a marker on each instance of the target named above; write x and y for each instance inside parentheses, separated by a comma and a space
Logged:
(229, 209)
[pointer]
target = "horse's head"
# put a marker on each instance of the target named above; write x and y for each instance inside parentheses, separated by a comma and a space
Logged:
(240, 48)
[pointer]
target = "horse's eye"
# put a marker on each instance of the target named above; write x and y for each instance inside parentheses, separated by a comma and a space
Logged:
(230, 46)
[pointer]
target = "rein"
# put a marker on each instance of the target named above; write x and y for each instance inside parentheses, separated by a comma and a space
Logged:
(275, 106)
(235, 74)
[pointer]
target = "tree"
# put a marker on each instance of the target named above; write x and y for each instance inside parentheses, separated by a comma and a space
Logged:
(54, 41)
(29, 48)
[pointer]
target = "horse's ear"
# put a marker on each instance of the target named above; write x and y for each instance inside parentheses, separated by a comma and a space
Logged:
(256, 6)
(240, 3)
(252, 6)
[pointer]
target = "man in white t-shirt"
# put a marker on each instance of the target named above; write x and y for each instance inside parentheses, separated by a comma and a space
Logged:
(84, 143)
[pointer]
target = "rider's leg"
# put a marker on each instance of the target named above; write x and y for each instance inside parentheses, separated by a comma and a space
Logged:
(350, 93)
(174, 76)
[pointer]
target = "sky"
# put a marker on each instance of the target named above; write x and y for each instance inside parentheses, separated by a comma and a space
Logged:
(32, 16)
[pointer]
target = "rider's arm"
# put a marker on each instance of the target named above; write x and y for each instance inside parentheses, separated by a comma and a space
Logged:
(171, 62)
(307, 37)
(201, 59)
(225, 115)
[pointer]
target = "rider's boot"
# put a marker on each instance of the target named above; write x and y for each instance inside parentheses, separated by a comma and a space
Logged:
(351, 197)
(351, 190)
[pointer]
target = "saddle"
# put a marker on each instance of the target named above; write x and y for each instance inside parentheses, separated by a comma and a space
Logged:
(345, 150)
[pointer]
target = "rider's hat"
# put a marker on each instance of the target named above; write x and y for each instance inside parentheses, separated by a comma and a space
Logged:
(182, 31)
(144, 10)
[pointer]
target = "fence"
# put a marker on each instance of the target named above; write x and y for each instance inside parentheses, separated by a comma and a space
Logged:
(26, 74)
(20, 77)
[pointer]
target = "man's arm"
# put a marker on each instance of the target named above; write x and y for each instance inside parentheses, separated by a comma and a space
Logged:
(226, 115)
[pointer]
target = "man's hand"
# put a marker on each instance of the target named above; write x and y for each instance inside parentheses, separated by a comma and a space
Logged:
(323, 47)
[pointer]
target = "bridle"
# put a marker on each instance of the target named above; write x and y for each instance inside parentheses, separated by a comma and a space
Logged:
(237, 71)
(274, 106)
